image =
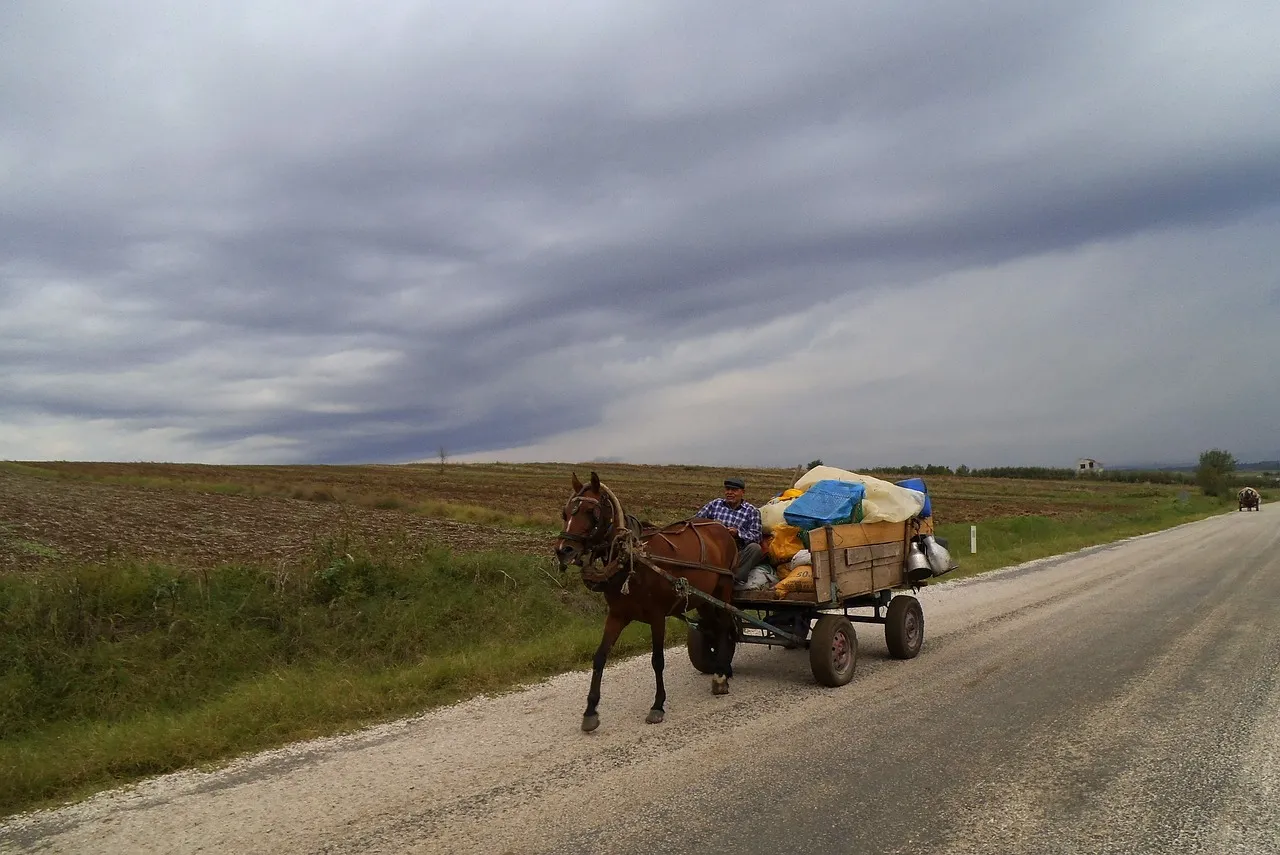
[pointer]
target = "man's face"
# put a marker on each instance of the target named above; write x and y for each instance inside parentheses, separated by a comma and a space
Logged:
(733, 496)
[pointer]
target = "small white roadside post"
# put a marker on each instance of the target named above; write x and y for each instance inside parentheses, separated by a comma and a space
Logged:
(973, 540)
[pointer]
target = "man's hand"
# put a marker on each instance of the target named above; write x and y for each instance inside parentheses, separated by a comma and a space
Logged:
(732, 530)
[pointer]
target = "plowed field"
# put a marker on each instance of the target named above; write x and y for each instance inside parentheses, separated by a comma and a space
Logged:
(43, 519)
(206, 515)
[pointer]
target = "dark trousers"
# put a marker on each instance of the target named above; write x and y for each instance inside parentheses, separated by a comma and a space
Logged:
(749, 555)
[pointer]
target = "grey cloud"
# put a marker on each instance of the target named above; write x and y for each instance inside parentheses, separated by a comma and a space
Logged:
(493, 207)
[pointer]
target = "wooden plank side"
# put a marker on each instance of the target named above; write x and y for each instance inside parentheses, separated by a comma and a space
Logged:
(767, 595)
(859, 534)
(887, 576)
(855, 580)
(856, 555)
(870, 568)
(864, 534)
(822, 574)
(886, 550)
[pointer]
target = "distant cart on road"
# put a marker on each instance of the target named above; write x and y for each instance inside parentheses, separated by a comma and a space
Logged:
(1250, 499)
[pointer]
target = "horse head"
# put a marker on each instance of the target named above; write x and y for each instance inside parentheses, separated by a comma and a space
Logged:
(589, 516)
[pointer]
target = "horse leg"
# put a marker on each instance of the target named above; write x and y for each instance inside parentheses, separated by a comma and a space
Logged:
(613, 626)
(657, 713)
(724, 665)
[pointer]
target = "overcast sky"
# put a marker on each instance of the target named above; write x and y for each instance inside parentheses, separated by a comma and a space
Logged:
(661, 232)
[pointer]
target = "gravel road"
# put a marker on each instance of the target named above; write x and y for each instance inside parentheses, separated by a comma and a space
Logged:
(1122, 699)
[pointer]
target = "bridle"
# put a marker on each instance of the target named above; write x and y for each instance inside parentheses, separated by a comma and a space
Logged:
(601, 527)
(598, 543)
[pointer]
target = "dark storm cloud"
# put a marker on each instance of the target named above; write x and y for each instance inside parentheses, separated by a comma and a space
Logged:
(367, 236)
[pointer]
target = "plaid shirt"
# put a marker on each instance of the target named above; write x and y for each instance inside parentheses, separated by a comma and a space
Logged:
(745, 518)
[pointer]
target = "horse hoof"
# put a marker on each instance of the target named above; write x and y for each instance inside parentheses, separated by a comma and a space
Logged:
(719, 685)
(590, 723)
(655, 717)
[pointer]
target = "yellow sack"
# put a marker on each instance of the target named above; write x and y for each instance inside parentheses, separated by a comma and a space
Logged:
(791, 493)
(799, 579)
(784, 544)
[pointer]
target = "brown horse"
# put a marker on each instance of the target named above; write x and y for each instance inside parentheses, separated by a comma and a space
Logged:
(701, 552)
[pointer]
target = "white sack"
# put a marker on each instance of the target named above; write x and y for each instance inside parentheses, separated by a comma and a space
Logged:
(771, 513)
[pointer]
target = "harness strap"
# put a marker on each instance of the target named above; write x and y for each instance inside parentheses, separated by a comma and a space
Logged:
(622, 541)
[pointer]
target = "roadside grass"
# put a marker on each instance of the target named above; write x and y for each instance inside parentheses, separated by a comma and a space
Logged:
(1008, 541)
(116, 672)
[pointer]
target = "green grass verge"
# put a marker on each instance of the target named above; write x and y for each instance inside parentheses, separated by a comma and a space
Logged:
(1013, 540)
(113, 673)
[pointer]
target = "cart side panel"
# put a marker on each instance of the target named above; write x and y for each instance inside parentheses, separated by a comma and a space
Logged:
(887, 565)
(823, 570)
(853, 574)
(856, 534)
(865, 569)
(856, 559)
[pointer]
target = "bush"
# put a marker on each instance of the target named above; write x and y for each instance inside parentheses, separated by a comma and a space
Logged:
(1216, 465)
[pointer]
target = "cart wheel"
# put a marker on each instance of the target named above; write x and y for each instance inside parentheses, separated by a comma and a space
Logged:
(904, 627)
(833, 650)
(702, 652)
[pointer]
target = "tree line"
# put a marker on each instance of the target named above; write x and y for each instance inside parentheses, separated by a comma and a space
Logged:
(1215, 475)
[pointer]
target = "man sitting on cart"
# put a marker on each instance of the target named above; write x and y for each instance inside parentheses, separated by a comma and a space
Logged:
(743, 519)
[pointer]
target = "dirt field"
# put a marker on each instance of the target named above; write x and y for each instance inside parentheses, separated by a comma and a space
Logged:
(43, 520)
(205, 515)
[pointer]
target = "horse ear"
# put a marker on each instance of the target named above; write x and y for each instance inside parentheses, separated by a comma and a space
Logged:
(577, 485)
(595, 481)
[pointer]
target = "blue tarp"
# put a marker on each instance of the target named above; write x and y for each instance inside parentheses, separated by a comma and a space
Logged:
(826, 503)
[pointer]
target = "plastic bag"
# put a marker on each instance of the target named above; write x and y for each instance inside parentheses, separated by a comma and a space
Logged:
(784, 544)
(826, 503)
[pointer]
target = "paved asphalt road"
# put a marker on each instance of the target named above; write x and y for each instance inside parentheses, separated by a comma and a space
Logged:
(1124, 699)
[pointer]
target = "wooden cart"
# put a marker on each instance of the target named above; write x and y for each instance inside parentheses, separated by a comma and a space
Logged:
(859, 566)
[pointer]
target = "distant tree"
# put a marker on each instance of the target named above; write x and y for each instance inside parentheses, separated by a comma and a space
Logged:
(1211, 475)
(443, 458)
(962, 469)
(813, 464)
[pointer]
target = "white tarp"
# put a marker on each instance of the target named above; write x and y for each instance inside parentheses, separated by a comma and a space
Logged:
(884, 502)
